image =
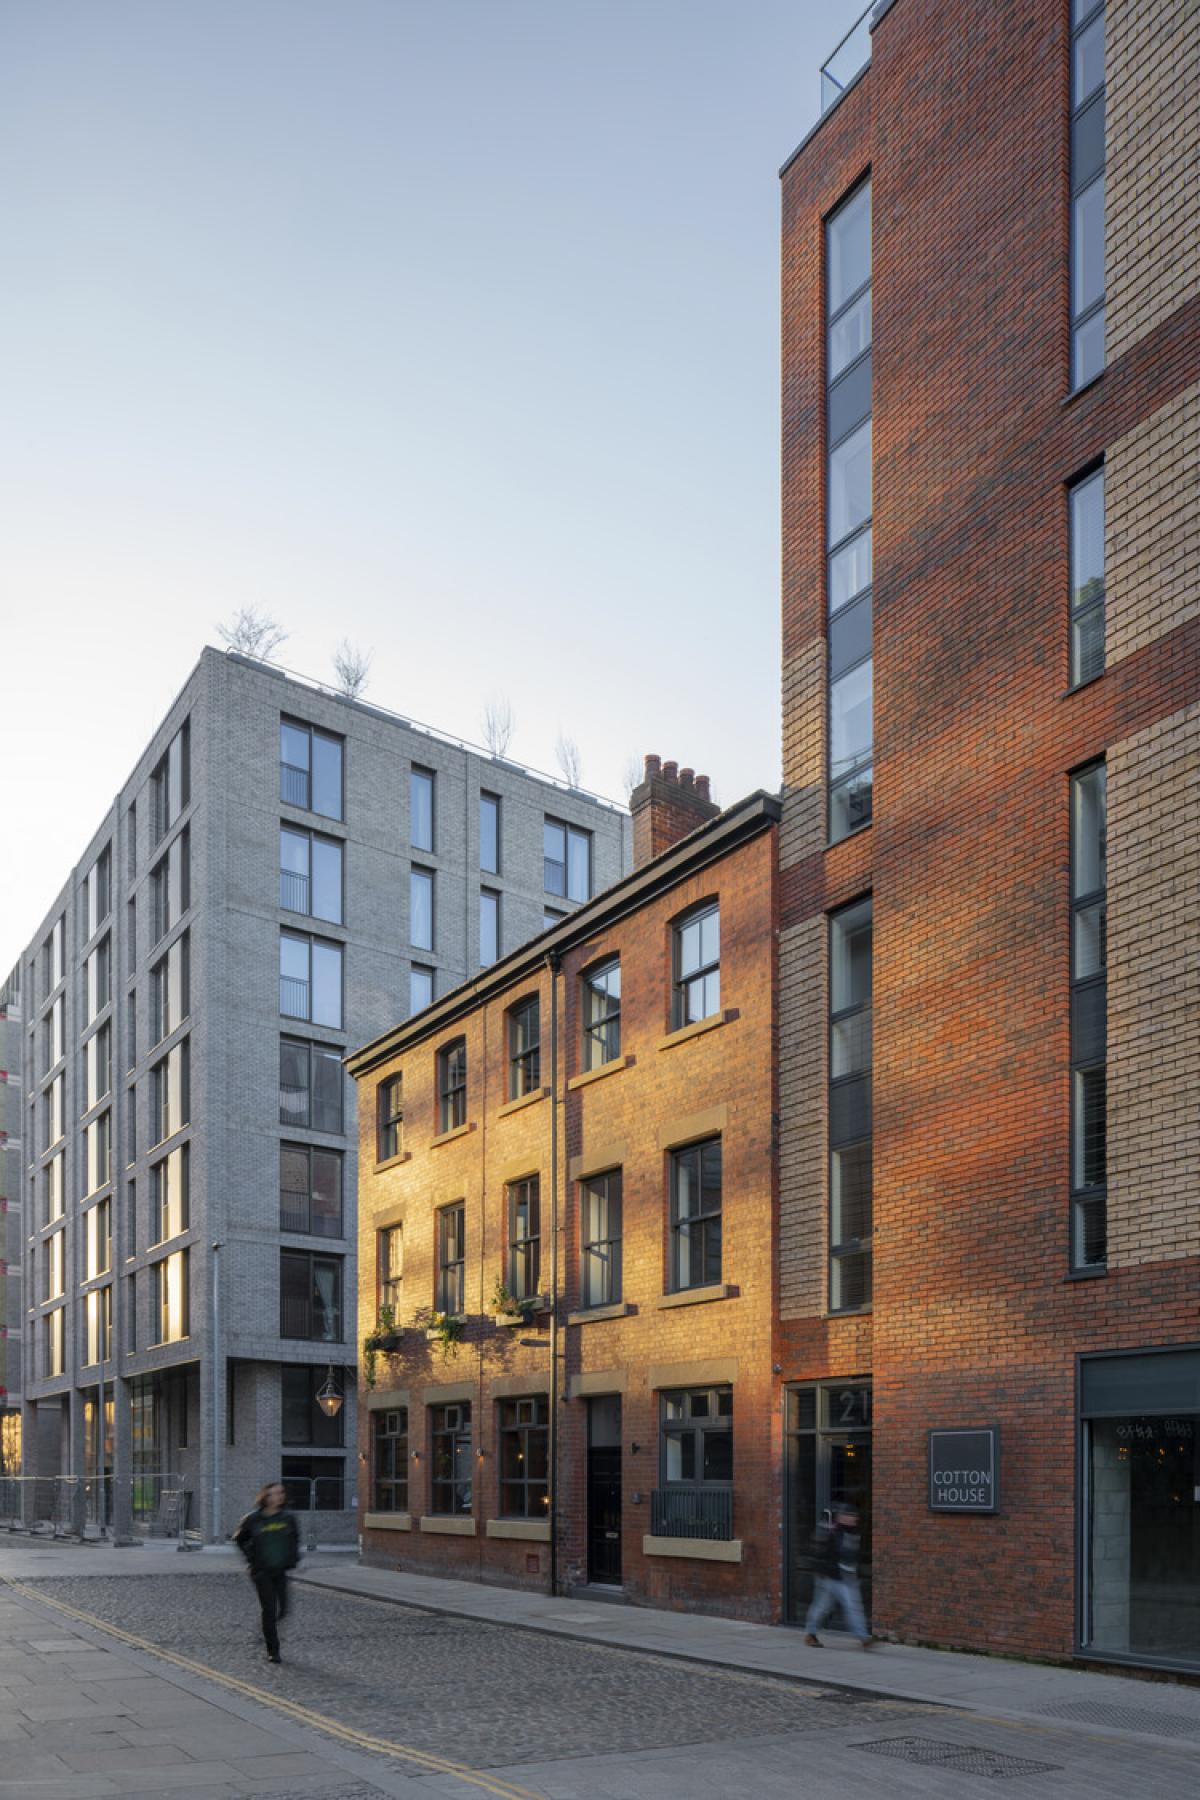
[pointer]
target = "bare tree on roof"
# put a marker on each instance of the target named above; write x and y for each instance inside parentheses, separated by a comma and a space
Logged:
(352, 667)
(252, 633)
(631, 775)
(566, 752)
(498, 725)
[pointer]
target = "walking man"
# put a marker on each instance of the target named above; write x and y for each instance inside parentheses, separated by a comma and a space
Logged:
(270, 1541)
(836, 1548)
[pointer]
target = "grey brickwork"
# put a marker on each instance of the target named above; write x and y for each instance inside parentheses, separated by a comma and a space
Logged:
(233, 1027)
(11, 1236)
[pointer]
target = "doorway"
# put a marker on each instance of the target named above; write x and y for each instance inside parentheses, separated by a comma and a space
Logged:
(828, 1464)
(604, 1490)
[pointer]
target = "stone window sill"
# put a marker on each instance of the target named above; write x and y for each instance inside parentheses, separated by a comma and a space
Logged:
(588, 1315)
(685, 1033)
(609, 1068)
(393, 1162)
(387, 1521)
(699, 1549)
(531, 1530)
(522, 1100)
(449, 1525)
(720, 1290)
(448, 1137)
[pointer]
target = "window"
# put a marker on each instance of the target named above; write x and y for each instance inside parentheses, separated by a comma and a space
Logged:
(489, 833)
(310, 979)
(551, 917)
(568, 860)
(524, 1055)
(420, 908)
(304, 1421)
(131, 1125)
(54, 1112)
(131, 935)
(170, 1094)
(52, 1342)
(450, 1296)
(1086, 501)
(698, 967)
(489, 927)
(421, 788)
(389, 1443)
(600, 1237)
(450, 1458)
(171, 1308)
(310, 1296)
(97, 1326)
(310, 769)
(97, 1067)
(310, 1190)
(310, 874)
(97, 894)
(56, 1021)
(524, 1266)
(602, 1014)
(848, 504)
(170, 886)
(697, 1436)
(170, 783)
(525, 1458)
(131, 846)
(390, 1118)
(1087, 191)
(310, 1086)
(850, 1180)
(97, 1150)
(98, 980)
(420, 988)
(452, 1085)
(131, 1321)
(172, 1193)
(52, 1190)
(130, 1231)
(54, 1266)
(131, 1030)
(696, 1215)
(1089, 1024)
(98, 1240)
(391, 1266)
(170, 989)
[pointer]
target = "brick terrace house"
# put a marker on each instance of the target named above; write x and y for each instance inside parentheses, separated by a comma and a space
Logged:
(990, 844)
(571, 1158)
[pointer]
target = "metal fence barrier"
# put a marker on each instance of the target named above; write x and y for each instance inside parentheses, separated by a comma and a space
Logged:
(82, 1506)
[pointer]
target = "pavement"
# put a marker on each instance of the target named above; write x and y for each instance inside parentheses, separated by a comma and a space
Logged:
(140, 1672)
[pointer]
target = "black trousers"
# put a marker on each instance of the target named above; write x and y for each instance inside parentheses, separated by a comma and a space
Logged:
(271, 1586)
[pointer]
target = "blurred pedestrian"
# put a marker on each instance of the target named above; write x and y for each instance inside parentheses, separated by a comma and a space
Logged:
(269, 1539)
(836, 1550)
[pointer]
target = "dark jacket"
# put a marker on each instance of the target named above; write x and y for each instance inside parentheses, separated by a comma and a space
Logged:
(835, 1552)
(249, 1539)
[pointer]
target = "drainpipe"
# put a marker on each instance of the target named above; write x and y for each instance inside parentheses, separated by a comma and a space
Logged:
(553, 964)
(218, 1395)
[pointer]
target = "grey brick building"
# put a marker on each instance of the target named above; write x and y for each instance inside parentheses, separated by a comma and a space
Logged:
(283, 874)
(11, 1123)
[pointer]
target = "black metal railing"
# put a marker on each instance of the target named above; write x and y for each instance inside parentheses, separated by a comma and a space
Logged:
(293, 784)
(692, 1512)
(293, 891)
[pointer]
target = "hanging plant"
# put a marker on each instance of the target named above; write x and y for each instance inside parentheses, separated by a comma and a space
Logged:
(441, 1328)
(385, 1338)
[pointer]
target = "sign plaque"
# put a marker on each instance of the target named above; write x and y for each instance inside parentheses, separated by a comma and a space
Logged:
(964, 1470)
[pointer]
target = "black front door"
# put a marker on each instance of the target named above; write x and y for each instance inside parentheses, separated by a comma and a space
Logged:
(828, 1466)
(604, 1490)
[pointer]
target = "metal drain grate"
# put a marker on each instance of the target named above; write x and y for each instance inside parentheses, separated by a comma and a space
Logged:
(1125, 1718)
(965, 1759)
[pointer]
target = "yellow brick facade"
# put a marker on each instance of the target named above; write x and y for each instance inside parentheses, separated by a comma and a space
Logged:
(1154, 992)
(1152, 526)
(1152, 153)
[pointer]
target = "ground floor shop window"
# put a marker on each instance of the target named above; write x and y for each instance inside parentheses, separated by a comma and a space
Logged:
(450, 1458)
(1140, 1506)
(524, 1458)
(390, 1434)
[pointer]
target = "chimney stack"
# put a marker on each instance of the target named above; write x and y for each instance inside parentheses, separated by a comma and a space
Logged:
(667, 805)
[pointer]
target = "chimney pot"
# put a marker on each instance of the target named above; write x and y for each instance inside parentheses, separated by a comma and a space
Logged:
(686, 777)
(670, 771)
(653, 765)
(702, 787)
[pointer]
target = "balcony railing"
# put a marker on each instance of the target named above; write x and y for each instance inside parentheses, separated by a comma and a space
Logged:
(297, 1213)
(313, 1324)
(293, 785)
(293, 997)
(692, 1512)
(848, 60)
(293, 1105)
(293, 891)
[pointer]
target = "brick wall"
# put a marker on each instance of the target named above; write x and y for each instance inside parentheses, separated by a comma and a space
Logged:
(1152, 526)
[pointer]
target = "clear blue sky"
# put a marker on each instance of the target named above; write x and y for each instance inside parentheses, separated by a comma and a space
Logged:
(444, 325)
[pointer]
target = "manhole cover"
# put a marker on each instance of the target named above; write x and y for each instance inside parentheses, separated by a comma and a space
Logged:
(1125, 1718)
(966, 1759)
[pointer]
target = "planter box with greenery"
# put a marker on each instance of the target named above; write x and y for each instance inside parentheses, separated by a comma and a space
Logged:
(507, 1310)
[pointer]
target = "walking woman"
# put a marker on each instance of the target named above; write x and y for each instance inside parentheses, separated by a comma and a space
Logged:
(269, 1540)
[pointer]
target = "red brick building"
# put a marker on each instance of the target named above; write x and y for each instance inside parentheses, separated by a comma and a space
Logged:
(568, 1200)
(990, 844)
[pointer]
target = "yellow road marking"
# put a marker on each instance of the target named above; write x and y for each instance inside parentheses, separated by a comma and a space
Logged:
(359, 1740)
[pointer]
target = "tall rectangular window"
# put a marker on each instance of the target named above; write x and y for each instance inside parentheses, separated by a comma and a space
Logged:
(525, 1458)
(696, 1215)
(310, 1086)
(170, 1093)
(170, 990)
(422, 784)
(602, 1014)
(97, 980)
(1087, 191)
(697, 974)
(567, 858)
(97, 894)
(97, 1067)
(97, 1147)
(389, 1435)
(310, 874)
(310, 769)
(172, 1194)
(310, 1297)
(420, 988)
(390, 1252)
(450, 1458)
(600, 1239)
(310, 1190)
(53, 1342)
(1086, 503)
(52, 1190)
(420, 908)
(304, 1420)
(98, 1240)
(171, 1308)
(452, 1086)
(310, 979)
(524, 1048)
(171, 783)
(489, 833)
(450, 1292)
(389, 1118)
(489, 927)
(524, 1238)
(1089, 1020)
(848, 510)
(97, 1326)
(850, 1187)
(54, 1266)
(171, 887)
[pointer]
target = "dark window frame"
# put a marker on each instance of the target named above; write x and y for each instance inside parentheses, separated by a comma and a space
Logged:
(451, 1272)
(452, 1086)
(696, 1228)
(523, 1210)
(704, 972)
(390, 1286)
(306, 803)
(524, 1049)
(419, 772)
(523, 1446)
(451, 1492)
(842, 1249)
(289, 899)
(601, 1028)
(490, 897)
(569, 831)
(695, 1426)
(389, 1118)
(1095, 101)
(312, 1050)
(486, 798)
(602, 1253)
(389, 1459)
(1080, 614)
(324, 1432)
(311, 939)
(312, 1303)
(311, 1227)
(1088, 995)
